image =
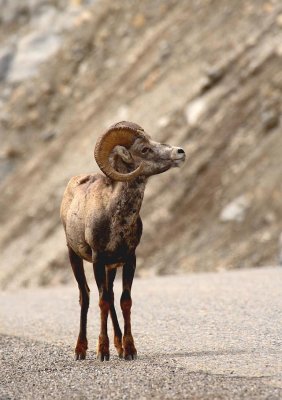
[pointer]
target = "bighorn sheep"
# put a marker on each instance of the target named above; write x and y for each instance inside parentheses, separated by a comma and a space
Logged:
(101, 219)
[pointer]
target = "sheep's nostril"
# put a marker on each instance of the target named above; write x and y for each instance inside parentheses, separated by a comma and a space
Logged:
(180, 151)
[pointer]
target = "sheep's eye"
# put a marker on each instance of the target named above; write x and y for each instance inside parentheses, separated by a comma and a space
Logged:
(145, 150)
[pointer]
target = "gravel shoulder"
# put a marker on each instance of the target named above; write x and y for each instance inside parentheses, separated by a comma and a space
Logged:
(205, 336)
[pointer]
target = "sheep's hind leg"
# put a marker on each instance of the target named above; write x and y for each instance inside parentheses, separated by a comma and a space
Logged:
(78, 270)
(130, 352)
(111, 274)
(104, 304)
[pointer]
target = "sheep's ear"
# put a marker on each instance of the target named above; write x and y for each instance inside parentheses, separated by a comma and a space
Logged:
(124, 154)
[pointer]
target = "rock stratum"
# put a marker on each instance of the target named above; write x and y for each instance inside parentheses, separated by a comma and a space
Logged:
(203, 75)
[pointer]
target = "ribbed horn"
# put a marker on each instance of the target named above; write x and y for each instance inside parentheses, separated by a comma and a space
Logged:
(123, 134)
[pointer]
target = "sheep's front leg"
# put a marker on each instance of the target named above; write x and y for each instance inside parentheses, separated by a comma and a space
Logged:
(130, 352)
(111, 274)
(104, 304)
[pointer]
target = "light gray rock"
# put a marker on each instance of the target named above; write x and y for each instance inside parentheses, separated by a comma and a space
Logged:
(236, 209)
(49, 135)
(42, 38)
(11, 11)
(32, 50)
(6, 56)
(270, 119)
(194, 111)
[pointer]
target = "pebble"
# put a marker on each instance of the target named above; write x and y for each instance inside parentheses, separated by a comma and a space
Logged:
(6, 57)
(194, 111)
(235, 210)
(138, 21)
(48, 135)
(270, 119)
(12, 152)
(163, 121)
(279, 20)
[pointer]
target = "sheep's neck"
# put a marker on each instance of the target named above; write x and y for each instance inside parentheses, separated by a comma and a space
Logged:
(128, 196)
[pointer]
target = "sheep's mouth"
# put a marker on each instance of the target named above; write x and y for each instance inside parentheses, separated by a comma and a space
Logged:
(179, 161)
(181, 157)
(176, 161)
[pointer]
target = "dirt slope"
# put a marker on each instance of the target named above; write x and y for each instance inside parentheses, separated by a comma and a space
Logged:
(204, 75)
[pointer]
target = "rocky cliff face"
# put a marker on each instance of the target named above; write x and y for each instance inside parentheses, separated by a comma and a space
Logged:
(203, 75)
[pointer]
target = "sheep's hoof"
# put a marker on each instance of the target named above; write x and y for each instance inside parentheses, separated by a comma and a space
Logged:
(103, 353)
(103, 357)
(80, 356)
(118, 346)
(130, 357)
(130, 352)
(80, 350)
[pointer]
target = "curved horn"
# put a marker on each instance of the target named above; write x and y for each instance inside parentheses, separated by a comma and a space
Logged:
(123, 134)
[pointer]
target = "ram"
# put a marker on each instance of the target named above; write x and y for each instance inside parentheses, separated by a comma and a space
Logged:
(100, 214)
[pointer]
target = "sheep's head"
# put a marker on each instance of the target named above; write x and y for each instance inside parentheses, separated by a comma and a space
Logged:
(137, 150)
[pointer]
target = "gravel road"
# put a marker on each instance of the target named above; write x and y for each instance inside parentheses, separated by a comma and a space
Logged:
(204, 336)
